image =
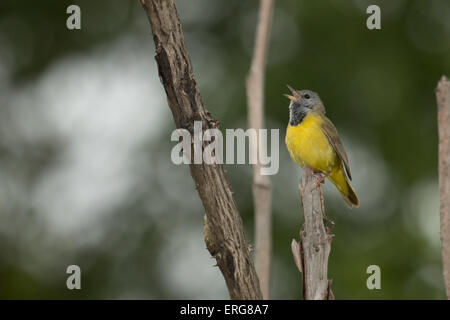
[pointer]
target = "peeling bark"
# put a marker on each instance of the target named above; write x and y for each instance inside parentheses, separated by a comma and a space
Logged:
(312, 251)
(443, 102)
(224, 233)
(262, 191)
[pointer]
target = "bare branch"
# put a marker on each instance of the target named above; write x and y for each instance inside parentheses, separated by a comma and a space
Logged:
(311, 253)
(261, 184)
(443, 102)
(225, 237)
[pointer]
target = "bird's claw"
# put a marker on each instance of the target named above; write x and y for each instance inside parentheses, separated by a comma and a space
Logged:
(319, 181)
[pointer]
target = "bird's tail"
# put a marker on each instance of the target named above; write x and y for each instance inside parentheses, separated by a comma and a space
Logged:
(340, 180)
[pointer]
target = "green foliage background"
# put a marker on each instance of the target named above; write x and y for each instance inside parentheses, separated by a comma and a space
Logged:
(378, 87)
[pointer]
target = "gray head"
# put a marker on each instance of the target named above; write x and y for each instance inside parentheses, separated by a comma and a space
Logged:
(302, 103)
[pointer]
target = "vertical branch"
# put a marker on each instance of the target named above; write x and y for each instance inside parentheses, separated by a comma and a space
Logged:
(224, 232)
(443, 102)
(311, 253)
(261, 184)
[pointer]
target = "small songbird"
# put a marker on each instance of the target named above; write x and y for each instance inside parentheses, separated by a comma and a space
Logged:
(313, 141)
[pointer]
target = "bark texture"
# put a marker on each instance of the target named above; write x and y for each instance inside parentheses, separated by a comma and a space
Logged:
(312, 251)
(224, 233)
(261, 184)
(443, 102)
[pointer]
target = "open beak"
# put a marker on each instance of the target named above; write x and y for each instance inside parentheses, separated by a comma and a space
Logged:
(295, 96)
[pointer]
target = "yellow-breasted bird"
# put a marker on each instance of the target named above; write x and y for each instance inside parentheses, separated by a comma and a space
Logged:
(313, 141)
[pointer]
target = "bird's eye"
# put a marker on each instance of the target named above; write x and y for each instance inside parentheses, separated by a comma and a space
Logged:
(306, 96)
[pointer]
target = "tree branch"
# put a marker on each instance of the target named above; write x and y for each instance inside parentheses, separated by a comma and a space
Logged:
(311, 253)
(225, 237)
(261, 184)
(443, 102)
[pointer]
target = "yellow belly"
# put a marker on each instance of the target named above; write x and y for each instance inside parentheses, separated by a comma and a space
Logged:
(309, 146)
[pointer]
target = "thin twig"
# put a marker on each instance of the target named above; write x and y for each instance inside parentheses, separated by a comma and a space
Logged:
(225, 237)
(312, 251)
(261, 184)
(443, 102)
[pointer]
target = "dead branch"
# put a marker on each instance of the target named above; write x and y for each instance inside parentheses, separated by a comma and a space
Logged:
(225, 237)
(312, 251)
(443, 102)
(261, 184)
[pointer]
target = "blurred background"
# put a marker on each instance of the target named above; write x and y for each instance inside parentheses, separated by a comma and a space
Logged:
(85, 170)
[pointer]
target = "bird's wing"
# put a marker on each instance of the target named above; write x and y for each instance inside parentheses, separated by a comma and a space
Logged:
(333, 137)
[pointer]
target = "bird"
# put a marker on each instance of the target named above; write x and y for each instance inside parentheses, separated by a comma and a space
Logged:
(313, 142)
